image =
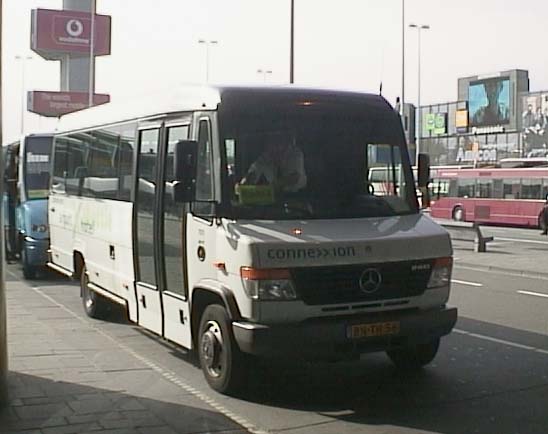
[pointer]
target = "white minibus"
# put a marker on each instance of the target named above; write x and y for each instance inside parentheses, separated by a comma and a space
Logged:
(240, 222)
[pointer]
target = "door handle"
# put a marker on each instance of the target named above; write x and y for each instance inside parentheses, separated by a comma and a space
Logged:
(143, 301)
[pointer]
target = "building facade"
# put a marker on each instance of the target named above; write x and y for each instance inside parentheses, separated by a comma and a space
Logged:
(495, 117)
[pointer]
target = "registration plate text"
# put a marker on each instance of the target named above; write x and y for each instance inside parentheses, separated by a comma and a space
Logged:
(374, 329)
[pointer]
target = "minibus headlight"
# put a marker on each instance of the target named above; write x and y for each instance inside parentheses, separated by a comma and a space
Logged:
(441, 273)
(39, 228)
(268, 284)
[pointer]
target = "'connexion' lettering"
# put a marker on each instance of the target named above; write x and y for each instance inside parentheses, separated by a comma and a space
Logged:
(311, 253)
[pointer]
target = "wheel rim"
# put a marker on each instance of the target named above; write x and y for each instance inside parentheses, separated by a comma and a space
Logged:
(211, 348)
(459, 214)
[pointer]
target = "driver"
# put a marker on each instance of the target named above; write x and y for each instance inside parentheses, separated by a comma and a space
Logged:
(281, 165)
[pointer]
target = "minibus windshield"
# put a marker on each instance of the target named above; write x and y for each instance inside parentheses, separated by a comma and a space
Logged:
(316, 164)
(37, 166)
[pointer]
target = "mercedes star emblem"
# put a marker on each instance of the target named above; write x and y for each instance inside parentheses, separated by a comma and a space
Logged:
(370, 280)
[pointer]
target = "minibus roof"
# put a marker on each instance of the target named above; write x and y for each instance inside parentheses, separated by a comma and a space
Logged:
(192, 97)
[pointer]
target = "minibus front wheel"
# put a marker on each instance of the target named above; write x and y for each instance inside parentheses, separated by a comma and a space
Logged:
(220, 357)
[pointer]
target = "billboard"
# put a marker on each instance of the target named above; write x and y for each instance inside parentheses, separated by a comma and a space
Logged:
(56, 104)
(534, 124)
(436, 123)
(55, 33)
(461, 121)
(489, 102)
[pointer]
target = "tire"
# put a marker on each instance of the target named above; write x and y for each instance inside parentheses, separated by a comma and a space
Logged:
(414, 357)
(95, 306)
(29, 271)
(458, 214)
(222, 362)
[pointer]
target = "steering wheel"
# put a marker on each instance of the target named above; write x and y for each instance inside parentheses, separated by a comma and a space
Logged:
(300, 211)
(370, 189)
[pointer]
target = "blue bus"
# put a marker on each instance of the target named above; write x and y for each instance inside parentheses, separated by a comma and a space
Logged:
(27, 168)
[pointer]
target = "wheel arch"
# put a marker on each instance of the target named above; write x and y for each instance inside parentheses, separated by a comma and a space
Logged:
(455, 208)
(206, 294)
(78, 263)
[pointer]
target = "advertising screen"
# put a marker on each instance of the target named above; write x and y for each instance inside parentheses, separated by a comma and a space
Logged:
(461, 120)
(534, 123)
(436, 123)
(489, 102)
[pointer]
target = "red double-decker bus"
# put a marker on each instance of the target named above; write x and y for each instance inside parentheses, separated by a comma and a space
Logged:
(494, 195)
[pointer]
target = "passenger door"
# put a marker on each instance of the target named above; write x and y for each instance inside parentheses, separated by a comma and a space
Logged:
(172, 258)
(201, 226)
(149, 303)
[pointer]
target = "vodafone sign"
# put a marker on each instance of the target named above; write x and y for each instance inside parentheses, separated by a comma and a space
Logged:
(56, 33)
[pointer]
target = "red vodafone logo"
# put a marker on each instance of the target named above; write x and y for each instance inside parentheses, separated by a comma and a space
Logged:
(74, 28)
(56, 33)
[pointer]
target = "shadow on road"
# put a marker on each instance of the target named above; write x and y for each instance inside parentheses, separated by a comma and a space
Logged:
(473, 386)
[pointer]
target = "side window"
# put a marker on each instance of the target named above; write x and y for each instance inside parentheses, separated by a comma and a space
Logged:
(173, 215)
(204, 175)
(60, 164)
(111, 163)
(175, 134)
(102, 178)
(124, 159)
(95, 164)
(77, 151)
(385, 171)
(147, 164)
(467, 188)
(146, 193)
(497, 188)
(511, 188)
(531, 188)
(453, 189)
(484, 188)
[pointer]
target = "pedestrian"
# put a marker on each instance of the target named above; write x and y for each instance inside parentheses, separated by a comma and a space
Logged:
(544, 218)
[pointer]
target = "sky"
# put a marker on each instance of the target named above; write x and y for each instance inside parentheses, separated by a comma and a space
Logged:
(348, 44)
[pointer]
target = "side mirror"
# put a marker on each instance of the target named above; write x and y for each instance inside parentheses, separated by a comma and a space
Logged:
(423, 176)
(185, 168)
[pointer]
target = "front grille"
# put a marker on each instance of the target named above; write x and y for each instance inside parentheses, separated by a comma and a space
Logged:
(341, 284)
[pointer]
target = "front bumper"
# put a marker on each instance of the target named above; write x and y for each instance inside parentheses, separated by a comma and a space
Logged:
(327, 338)
(36, 251)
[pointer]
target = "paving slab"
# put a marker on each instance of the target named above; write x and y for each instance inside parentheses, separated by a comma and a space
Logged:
(65, 377)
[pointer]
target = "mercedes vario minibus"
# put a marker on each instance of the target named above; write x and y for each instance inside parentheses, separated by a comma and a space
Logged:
(240, 222)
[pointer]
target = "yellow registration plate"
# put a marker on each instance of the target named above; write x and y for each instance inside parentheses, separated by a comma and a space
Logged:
(374, 329)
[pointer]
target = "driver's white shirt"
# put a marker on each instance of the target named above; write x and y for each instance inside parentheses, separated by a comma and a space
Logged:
(292, 161)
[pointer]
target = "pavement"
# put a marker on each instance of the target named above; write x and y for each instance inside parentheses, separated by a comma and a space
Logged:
(67, 375)
(527, 257)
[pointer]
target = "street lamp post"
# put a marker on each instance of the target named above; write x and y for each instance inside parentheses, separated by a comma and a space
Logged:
(419, 28)
(91, 84)
(402, 101)
(23, 60)
(264, 73)
(207, 43)
(292, 43)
